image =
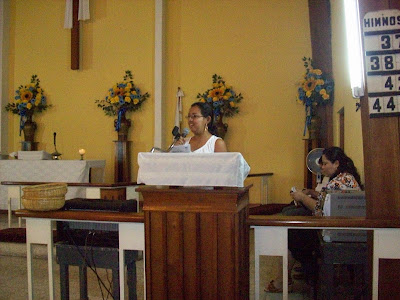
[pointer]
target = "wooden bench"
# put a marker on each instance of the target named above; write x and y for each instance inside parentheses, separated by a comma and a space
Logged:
(271, 232)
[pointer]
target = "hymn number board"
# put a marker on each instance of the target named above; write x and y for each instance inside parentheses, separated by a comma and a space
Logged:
(382, 58)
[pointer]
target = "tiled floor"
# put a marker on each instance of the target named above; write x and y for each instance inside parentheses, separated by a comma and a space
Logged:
(13, 274)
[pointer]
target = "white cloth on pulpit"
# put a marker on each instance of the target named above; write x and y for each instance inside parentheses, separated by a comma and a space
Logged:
(192, 169)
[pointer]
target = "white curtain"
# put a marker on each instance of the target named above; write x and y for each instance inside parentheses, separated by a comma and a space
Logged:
(83, 13)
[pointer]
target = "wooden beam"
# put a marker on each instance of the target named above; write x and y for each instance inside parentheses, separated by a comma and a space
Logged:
(320, 30)
(75, 37)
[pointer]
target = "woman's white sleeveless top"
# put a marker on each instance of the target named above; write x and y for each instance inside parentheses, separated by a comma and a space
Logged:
(208, 147)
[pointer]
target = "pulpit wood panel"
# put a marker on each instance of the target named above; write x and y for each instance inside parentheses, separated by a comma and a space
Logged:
(191, 245)
(196, 243)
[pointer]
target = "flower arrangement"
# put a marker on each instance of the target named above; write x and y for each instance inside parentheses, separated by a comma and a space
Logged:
(315, 89)
(28, 99)
(122, 97)
(222, 98)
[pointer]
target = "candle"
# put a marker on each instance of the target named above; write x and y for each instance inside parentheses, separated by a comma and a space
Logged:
(82, 151)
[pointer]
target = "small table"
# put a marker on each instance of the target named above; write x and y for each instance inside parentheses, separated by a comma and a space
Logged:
(39, 227)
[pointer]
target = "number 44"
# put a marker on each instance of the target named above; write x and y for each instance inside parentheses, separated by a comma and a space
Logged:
(386, 104)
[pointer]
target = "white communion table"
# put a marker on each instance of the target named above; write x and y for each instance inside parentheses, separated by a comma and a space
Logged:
(49, 171)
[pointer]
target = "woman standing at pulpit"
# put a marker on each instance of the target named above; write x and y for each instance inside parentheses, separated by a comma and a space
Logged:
(200, 123)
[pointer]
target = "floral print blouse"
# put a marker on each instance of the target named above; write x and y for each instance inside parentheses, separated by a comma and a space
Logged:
(343, 181)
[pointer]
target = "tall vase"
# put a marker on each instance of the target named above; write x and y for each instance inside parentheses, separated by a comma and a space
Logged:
(314, 127)
(221, 127)
(29, 129)
(122, 127)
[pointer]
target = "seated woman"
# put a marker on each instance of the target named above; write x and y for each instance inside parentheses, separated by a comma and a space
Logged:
(200, 123)
(343, 175)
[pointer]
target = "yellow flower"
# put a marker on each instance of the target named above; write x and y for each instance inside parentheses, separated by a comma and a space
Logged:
(18, 101)
(215, 99)
(115, 99)
(309, 85)
(127, 89)
(317, 71)
(216, 93)
(129, 85)
(29, 105)
(128, 99)
(25, 101)
(232, 104)
(135, 101)
(202, 100)
(26, 95)
(37, 102)
(225, 97)
(118, 92)
(320, 82)
(39, 96)
(308, 93)
(215, 85)
(133, 93)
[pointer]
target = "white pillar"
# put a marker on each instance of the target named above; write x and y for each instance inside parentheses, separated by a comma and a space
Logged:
(158, 73)
(4, 49)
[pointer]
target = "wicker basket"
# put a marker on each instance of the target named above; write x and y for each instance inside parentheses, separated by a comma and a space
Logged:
(44, 197)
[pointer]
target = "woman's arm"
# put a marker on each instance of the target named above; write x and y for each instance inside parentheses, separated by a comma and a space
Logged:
(220, 146)
(306, 200)
(313, 193)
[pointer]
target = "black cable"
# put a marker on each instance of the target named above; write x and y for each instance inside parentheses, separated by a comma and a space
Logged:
(91, 250)
(94, 264)
(86, 261)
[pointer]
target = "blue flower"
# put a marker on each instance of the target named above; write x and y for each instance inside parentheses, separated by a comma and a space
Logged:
(43, 100)
(17, 97)
(121, 100)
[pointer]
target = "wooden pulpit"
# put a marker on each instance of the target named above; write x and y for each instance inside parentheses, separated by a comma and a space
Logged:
(197, 242)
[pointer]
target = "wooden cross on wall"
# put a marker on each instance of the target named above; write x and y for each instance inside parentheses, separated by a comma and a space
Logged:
(75, 37)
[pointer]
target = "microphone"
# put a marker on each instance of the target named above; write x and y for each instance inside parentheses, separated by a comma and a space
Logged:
(185, 132)
(177, 135)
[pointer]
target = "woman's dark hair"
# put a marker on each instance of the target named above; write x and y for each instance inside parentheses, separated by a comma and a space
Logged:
(206, 111)
(346, 164)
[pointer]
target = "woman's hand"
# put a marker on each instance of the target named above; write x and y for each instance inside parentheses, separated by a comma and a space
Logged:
(298, 196)
(306, 200)
(181, 141)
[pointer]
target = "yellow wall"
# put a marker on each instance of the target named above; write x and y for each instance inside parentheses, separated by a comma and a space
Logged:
(256, 46)
(119, 36)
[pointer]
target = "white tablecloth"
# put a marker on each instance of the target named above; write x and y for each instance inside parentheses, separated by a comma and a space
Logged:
(48, 171)
(192, 169)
